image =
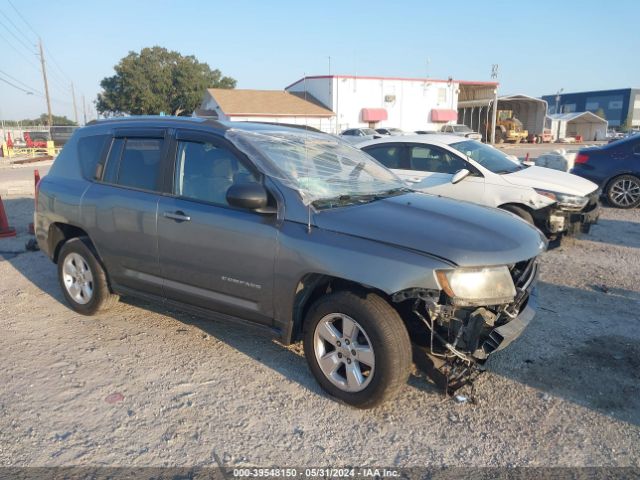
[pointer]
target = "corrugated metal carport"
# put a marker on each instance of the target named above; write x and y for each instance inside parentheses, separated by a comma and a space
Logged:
(529, 110)
(476, 100)
(474, 104)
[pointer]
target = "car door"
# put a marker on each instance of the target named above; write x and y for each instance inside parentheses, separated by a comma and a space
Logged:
(213, 255)
(119, 210)
(431, 168)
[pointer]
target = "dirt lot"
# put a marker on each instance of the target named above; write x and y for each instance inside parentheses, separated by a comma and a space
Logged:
(145, 386)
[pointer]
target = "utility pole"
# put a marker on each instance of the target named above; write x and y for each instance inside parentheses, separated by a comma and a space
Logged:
(84, 111)
(558, 100)
(75, 109)
(46, 84)
(494, 113)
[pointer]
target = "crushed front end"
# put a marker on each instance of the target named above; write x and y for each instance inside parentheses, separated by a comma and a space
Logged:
(452, 338)
(570, 214)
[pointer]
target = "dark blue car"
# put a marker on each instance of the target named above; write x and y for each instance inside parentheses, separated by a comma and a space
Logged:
(615, 168)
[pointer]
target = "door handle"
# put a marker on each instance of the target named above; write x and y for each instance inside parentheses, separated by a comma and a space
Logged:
(178, 216)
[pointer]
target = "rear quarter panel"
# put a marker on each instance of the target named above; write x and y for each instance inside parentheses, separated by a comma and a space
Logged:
(59, 195)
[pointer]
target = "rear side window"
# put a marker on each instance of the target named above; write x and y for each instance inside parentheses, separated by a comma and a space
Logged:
(135, 162)
(430, 159)
(389, 156)
(90, 152)
(636, 148)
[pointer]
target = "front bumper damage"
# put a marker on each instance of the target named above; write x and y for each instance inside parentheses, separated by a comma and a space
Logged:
(559, 220)
(451, 344)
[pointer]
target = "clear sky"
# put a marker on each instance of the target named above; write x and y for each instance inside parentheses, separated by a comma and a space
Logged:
(541, 46)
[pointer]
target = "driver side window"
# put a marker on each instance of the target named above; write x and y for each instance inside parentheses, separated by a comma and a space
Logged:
(432, 159)
(205, 172)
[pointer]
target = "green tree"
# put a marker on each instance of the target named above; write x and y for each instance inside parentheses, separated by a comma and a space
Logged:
(42, 120)
(158, 80)
(601, 114)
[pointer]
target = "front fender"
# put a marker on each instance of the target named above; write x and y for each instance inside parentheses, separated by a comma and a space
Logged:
(377, 265)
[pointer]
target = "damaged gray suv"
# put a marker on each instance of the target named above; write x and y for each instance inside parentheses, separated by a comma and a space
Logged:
(292, 231)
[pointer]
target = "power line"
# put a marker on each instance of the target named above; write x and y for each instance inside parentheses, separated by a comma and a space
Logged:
(15, 86)
(23, 19)
(59, 84)
(20, 82)
(57, 65)
(60, 80)
(54, 76)
(27, 59)
(17, 29)
(7, 29)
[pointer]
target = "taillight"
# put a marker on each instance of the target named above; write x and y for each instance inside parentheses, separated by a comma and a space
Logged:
(582, 158)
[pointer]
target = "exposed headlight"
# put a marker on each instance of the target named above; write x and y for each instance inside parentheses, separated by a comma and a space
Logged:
(563, 199)
(477, 286)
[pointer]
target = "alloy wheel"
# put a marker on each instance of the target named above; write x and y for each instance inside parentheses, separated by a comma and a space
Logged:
(78, 279)
(625, 192)
(344, 352)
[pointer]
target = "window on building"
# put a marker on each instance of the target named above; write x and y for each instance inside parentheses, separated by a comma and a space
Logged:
(592, 106)
(442, 95)
(568, 108)
(205, 172)
(615, 105)
(431, 159)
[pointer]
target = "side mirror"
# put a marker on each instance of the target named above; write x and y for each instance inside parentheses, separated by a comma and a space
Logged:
(460, 175)
(251, 195)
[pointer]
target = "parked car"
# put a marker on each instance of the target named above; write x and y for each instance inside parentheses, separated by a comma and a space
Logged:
(355, 135)
(461, 131)
(292, 231)
(555, 202)
(615, 167)
(390, 131)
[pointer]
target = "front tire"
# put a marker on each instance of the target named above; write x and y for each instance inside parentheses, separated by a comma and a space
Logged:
(357, 348)
(82, 278)
(624, 191)
(520, 212)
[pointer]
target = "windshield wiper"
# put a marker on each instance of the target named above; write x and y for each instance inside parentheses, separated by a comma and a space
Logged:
(355, 199)
(342, 200)
(392, 192)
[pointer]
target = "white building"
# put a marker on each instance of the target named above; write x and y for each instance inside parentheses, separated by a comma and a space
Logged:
(273, 106)
(407, 103)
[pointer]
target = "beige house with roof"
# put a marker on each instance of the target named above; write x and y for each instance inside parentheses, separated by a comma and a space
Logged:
(273, 106)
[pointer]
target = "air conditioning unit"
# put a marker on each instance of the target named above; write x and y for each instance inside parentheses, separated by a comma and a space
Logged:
(389, 98)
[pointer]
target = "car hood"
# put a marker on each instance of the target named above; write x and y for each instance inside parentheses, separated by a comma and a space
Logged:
(463, 233)
(549, 179)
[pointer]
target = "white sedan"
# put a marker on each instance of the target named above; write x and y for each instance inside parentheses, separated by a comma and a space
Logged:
(556, 202)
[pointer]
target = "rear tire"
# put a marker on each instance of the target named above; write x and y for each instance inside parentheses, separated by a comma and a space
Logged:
(520, 212)
(82, 279)
(382, 360)
(624, 192)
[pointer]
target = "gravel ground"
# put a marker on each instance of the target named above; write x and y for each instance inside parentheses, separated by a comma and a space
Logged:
(142, 385)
